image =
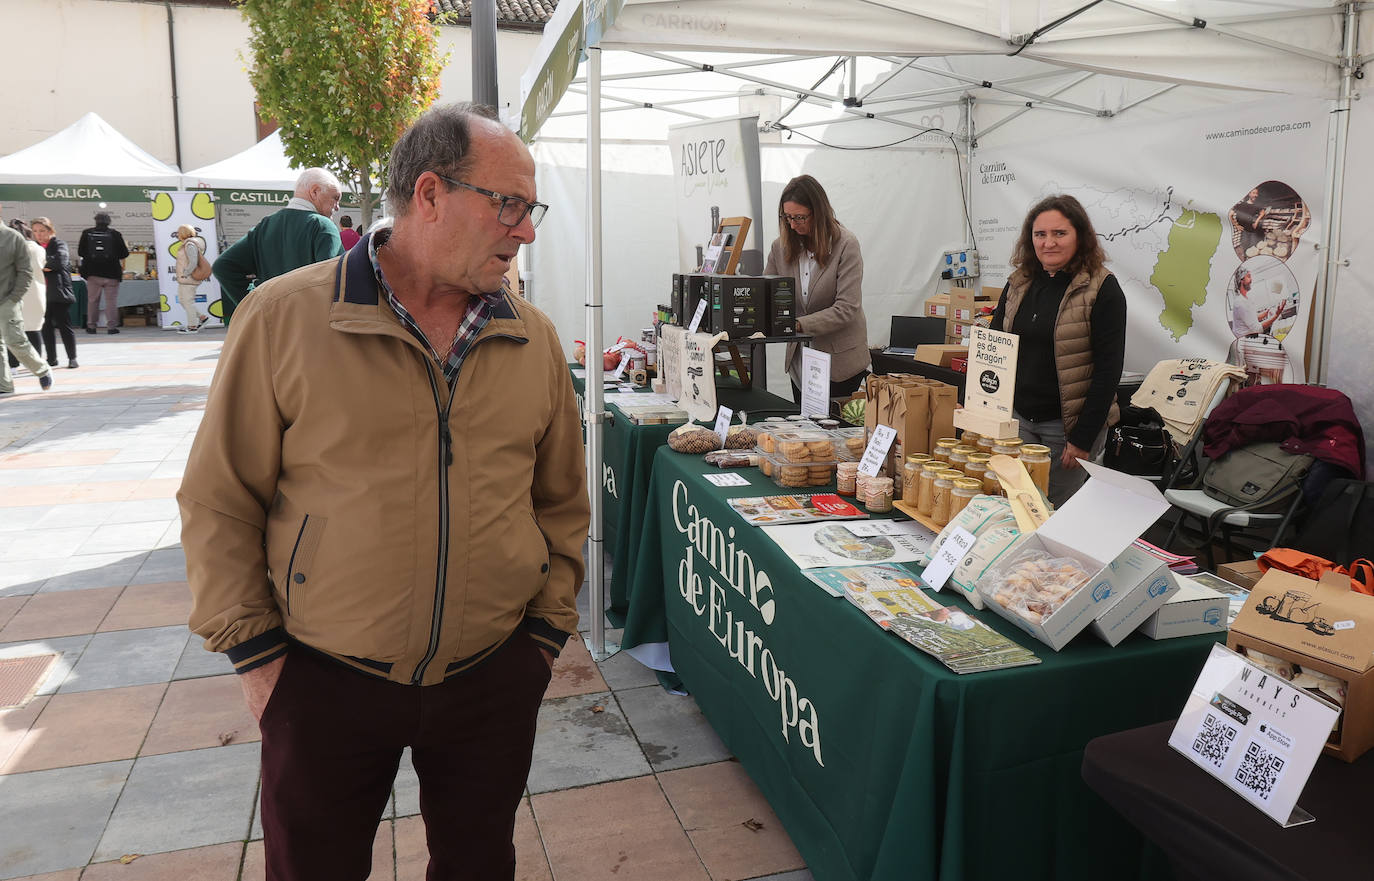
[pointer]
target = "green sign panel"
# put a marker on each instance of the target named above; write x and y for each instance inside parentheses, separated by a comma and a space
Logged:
(554, 77)
(76, 193)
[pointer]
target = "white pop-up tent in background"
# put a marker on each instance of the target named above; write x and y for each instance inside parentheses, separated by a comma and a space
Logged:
(986, 73)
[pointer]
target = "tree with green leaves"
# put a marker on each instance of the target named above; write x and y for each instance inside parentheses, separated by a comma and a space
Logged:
(343, 80)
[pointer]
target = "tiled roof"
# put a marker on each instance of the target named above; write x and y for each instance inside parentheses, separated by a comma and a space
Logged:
(527, 12)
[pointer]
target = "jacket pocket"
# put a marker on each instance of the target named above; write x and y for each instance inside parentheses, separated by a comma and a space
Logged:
(298, 567)
(543, 546)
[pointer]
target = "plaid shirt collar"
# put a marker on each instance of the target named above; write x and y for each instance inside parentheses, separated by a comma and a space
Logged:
(480, 308)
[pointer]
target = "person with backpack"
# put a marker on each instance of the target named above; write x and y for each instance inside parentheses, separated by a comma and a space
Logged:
(102, 252)
(192, 269)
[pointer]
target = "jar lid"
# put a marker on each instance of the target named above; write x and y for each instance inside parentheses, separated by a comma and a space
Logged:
(947, 442)
(918, 457)
(968, 483)
(1008, 442)
(981, 457)
(934, 466)
(1035, 449)
(949, 474)
(964, 449)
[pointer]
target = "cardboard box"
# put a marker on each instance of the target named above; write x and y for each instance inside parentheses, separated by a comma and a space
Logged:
(1324, 627)
(936, 306)
(920, 410)
(1192, 609)
(1132, 588)
(990, 293)
(1094, 527)
(1243, 572)
(940, 356)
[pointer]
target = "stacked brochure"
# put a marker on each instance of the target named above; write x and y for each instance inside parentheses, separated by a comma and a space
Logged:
(760, 511)
(960, 641)
(880, 591)
(818, 545)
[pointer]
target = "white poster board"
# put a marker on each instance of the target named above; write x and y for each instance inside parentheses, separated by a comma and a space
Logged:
(716, 173)
(815, 383)
(170, 211)
(672, 343)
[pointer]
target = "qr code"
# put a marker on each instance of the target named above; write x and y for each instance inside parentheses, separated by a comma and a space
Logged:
(1214, 740)
(1259, 771)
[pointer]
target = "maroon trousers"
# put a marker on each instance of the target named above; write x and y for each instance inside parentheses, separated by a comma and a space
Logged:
(331, 743)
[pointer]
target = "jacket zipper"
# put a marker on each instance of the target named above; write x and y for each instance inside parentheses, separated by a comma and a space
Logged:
(291, 565)
(441, 571)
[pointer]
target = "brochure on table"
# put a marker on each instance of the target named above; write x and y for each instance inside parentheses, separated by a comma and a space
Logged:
(817, 545)
(960, 641)
(1103, 518)
(1254, 732)
(878, 577)
(765, 510)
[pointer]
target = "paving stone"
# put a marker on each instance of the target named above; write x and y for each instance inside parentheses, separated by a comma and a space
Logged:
(200, 713)
(165, 564)
(622, 671)
(27, 517)
(87, 728)
(148, 605)
(113, 538)
(44, 544)
(670, 728)
(196, 661)
(68, 649)
(181, 800)
(53, 819)
(218, 862)
(94, 570)
(127, 657)
(575, 745)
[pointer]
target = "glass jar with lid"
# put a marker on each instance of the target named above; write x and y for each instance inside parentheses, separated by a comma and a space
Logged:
(878, 495)
(969, 438)
(977, 465)
(958, 457)
(1036, 458)
(943, 446)
(965, 488)
(925, 486)
(940, 499)
(985, 444)
(1007, 446)
(846, 474)
(911, 472)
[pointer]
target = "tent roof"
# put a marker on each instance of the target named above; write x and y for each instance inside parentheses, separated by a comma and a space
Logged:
(263, 166)
(89, 151)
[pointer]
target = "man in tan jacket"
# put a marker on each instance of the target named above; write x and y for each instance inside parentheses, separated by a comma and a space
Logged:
(383, 516)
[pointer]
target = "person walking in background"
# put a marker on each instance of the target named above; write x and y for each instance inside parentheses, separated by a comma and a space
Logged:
(296, 236)
(188, 255)
(16, 274)
(347, 234)
(57, 275)
(36, 295)
(102, 252)
(371, 601)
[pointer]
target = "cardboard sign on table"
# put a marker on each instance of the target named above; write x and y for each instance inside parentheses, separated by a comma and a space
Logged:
(815, 383)
(990, 387)
(698, 376)
(1254, 732)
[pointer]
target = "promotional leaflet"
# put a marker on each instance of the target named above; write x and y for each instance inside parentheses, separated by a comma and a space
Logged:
(883, 576)
(794, 509)
(883, 597)
(959, 641)
(817, 545)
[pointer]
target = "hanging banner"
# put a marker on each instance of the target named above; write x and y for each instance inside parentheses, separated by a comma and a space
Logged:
(716, 174)
(1210, 228)
(560, 51)
(170, 211)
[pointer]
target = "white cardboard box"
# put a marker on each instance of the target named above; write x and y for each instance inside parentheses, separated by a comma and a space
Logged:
(1103, 518)
(1129, 590)
(1193, 609)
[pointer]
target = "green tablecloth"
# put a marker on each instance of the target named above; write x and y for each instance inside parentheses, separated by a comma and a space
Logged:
(627, 460)
(880, 762)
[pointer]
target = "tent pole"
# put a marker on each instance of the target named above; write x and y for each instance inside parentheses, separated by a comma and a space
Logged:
(969, 141)
(1322, 306)
(595, 418)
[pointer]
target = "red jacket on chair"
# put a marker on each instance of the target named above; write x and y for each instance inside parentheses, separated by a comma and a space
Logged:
(1309, 419)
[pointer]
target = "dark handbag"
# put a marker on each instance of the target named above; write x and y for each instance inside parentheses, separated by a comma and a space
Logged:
(1140, 444)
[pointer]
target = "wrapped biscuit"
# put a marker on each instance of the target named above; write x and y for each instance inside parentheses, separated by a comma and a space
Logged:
(693, 440)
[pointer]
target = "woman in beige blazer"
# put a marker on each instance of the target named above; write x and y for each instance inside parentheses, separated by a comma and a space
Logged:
(824, 258)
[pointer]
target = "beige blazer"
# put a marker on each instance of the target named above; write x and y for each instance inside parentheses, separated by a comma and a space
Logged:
(833, 312)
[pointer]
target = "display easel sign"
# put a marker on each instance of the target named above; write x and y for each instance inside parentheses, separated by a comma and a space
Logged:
(990, 388)
(1255, 732)
(698, 371)
(815, 383)
(731, 232)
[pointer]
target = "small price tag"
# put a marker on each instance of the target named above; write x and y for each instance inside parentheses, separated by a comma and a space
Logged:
(947, 556)
(876, 451)
(619, 369)
(1343, 625)
(723, 416)
(729, 478)
(696, 319)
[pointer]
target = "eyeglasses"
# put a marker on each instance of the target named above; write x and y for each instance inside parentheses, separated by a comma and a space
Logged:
(513, 209)
(794, 218)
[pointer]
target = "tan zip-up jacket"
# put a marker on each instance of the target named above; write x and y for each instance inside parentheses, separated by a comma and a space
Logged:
(319, 501)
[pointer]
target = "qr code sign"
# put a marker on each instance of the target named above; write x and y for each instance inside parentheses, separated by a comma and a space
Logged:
(1259, 771)
(1214, 740)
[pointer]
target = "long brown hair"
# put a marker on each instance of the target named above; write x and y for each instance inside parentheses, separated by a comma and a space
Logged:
(806, 191)
(1088, 256)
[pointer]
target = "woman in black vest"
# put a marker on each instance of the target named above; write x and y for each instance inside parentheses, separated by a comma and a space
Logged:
(1070, 315)
(58, 275)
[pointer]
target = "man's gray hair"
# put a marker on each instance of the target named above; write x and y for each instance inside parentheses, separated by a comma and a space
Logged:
(316, 177)
(439, 141)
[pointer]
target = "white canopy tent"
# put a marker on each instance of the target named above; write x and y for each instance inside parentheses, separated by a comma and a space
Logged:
(263, 166)
(871, 72)
(89, 151)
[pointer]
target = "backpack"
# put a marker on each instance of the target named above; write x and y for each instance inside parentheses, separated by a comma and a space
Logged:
(101, 244)
(1256, 471)
(1341, 526)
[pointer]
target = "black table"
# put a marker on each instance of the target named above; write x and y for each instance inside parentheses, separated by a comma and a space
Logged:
(758, 361)
(1210, 833)
(883, 363)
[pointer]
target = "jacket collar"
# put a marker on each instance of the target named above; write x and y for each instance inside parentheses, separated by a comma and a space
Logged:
(360, 306)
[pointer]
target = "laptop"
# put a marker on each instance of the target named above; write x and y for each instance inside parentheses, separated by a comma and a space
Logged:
(910, 331)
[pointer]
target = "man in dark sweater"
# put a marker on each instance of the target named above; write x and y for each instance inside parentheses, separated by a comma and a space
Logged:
(102, 252)
(298, 235)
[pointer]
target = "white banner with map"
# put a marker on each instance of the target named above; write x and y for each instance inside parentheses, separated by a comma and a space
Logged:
(1210, 222)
